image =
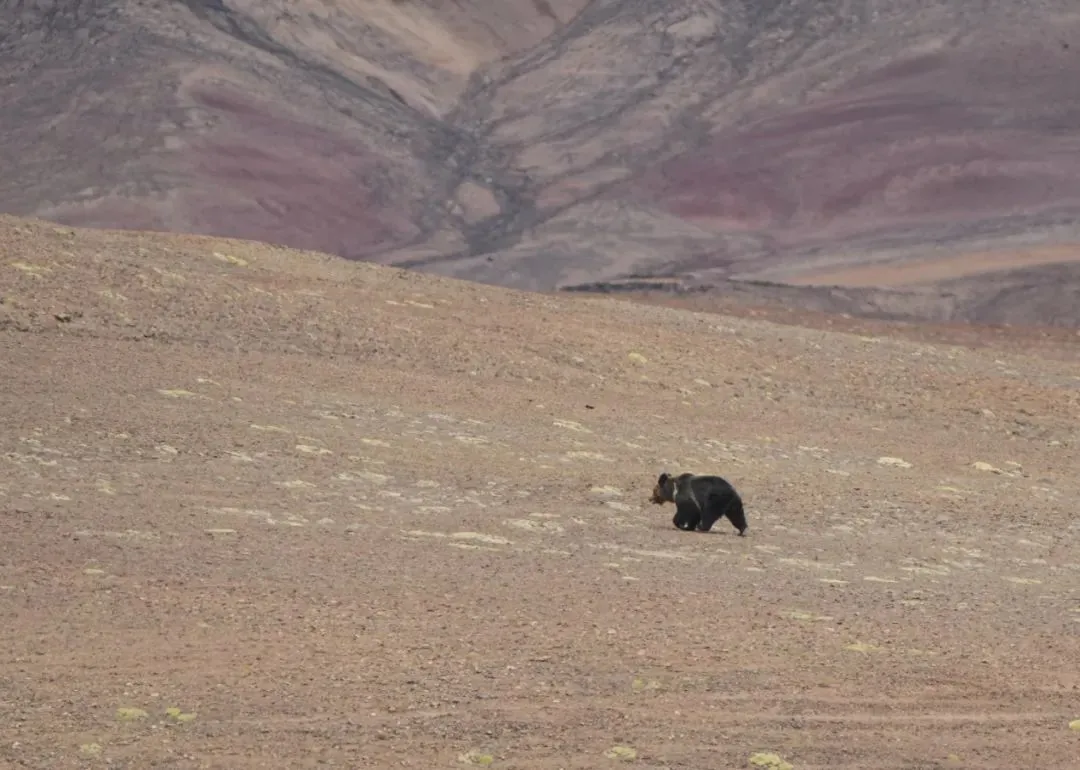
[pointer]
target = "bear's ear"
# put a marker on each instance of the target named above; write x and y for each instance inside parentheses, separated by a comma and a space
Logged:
(663, 479)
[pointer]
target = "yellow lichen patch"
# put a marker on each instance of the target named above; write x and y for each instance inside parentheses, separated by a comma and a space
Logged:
(105, 487)
(467, 439)
(481, 537)
(624, 753)
(1075, 725)
(606, 491)
(130, 714)
(308, 449)
(169, 274)
(475, 757)
(924, 570)
(640, 685)
(809, 563)
(178, 715)
(571, 425)
(800, 615)
(642, 552)
(295, 484)
(232, 260)
(90, 749)
(29, 269)
(951, 490)
(582, 455)
(637, 358)
(179, 393)
(269, 428)
(895, 462)
(534, 525)
(369, 476)
(862, 647)
(770, 761)
(1024, 581)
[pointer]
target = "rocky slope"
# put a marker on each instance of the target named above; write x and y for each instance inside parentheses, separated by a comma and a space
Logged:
(264, 508)
(550, 143)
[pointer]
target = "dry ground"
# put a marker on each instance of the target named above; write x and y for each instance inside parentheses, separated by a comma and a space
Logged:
(335, 514)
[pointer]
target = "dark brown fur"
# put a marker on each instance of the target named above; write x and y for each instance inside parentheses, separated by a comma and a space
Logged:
(700, 501)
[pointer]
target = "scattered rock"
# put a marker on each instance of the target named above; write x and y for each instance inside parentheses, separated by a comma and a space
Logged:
(979, 465)
(861, 647)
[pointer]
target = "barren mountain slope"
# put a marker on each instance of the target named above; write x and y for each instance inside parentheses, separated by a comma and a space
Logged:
(538, 143)
(268, 508)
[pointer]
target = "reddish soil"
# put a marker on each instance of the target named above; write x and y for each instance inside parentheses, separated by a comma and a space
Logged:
(543, 144)
(264, 508)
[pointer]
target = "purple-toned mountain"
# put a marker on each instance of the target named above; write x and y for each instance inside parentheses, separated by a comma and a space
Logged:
(908, 150)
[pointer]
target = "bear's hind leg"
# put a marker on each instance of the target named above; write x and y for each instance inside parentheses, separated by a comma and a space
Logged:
(737, 516)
